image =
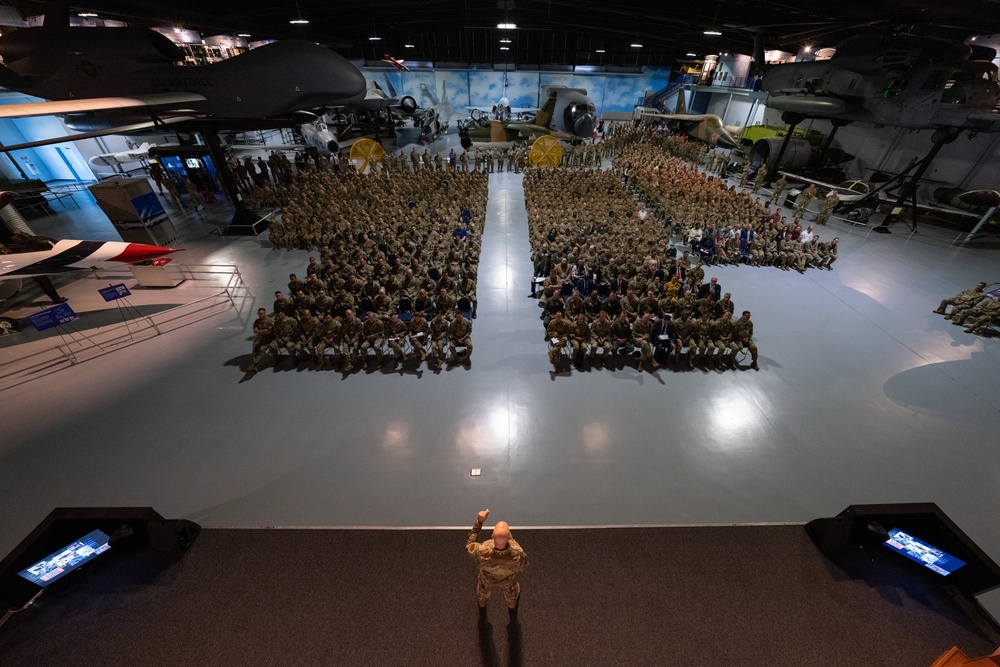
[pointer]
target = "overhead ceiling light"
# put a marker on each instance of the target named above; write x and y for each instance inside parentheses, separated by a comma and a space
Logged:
(808, 49)
(298, 13)
(505, 48)
(507, 26)
(244, 34)
(692, 55)
(92, 15)
(600, 50)
(374, 38)
(714, 33)
(636, 45)
(505, 41)
(407, 46)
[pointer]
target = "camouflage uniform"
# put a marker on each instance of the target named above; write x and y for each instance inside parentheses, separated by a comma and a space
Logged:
(759, 179)
(285, 335)
(579, 340)
(497, 569)
(372, 337)
(327, 335)
(642, 332)
(460, 334)
(984, 313)
(439, 336)
(743, 335)
(964, 299)
(600, 337)
(418, 326)
(350, 339)
(779, 188)
(262, 328)
(558, 331)
(395, 333)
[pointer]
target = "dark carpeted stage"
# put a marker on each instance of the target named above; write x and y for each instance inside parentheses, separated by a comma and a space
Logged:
(758, 595)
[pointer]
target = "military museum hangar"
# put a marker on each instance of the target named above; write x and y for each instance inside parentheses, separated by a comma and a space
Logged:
(691, 311)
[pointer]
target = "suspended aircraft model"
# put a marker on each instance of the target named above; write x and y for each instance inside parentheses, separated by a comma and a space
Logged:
(900, 81)
(137, 154)
(121, 80)
(568, 115)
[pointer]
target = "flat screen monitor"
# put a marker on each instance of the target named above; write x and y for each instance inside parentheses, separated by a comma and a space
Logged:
(923, 553)
(67, 559)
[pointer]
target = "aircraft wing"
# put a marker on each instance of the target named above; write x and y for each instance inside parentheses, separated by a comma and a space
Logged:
(124, 129)
(805, 179)
(97, 104)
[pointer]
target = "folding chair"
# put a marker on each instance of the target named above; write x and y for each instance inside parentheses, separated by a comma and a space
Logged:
(465, 307)
(365, 306)
(405, 309)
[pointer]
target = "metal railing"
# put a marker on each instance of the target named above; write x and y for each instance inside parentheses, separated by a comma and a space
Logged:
(74, 346)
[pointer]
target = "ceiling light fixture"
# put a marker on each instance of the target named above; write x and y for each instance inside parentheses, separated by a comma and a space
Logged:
(505, 41)
(243, 34)
(600, 50)
(407, 46)
(92, 15)
(808, 49)
(374, 38)
(636, 45)
(505, 48)
(712, 31)
(507, 26)
(298, 12)
(692, 55)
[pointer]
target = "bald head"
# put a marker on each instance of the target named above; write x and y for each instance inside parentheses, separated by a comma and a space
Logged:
(501, 535)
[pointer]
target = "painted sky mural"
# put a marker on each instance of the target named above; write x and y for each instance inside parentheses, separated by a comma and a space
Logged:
(617, 93)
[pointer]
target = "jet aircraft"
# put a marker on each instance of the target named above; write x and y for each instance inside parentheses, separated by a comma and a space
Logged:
(87, 70)
(568, 115)
(901, 81)
(113, 80)
(704, 127)
(37, 257)
(25, 256)
(137, 154)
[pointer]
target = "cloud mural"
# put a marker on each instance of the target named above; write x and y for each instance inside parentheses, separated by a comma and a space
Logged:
(611, 93)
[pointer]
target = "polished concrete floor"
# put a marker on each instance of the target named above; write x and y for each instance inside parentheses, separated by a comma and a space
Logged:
(864, 396)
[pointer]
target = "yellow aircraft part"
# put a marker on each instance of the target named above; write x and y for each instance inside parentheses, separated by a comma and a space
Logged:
(364, 152)
(546, 151)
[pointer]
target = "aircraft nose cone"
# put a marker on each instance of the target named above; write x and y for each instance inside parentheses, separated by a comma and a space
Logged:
(138, 252)
(584, 125)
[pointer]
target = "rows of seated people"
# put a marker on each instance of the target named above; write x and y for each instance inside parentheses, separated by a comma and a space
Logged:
(722, 223)
(348, 341)
(613, 283)
(414, 260)
(318, 206)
